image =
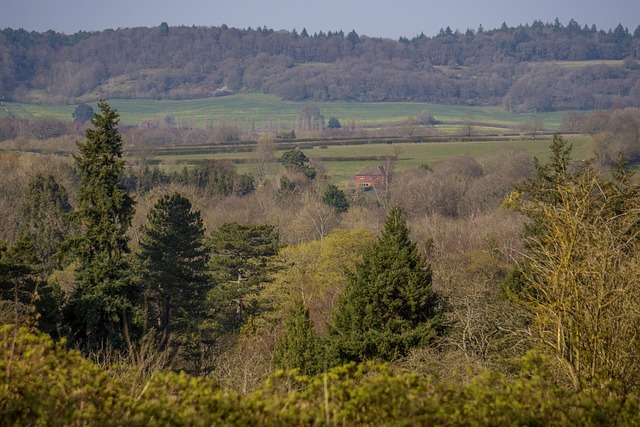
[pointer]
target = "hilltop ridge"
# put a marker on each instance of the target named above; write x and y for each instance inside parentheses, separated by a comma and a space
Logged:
(532, 67)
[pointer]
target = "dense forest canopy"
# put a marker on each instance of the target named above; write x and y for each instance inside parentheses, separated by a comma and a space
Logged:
(518, 67)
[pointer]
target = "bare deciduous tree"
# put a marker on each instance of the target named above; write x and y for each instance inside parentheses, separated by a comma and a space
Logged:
(580, 278)
(263, 160)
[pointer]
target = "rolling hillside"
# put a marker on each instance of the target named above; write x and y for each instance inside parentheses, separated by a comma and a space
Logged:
(532, 67)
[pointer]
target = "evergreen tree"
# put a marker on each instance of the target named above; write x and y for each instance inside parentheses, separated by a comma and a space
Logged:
(388, 306)
(82, 113)
(333, 196)
(239, 255)
(145, 179)
(216, 177)
(298, 347)
(45, 216)
(164, 29)
(23, 281)
(548, 177)
(296, 161)
(24, 288)
(18, 279)
(334, 123)
(174, 263)
(101, 305)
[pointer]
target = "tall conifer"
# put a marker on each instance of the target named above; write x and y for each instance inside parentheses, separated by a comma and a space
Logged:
(174, 262)
(101, 304)
(389, 305)
(45, 216)
(239, 263)
(298, 347)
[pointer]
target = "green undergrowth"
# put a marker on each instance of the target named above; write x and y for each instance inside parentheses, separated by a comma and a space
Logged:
(43, 383)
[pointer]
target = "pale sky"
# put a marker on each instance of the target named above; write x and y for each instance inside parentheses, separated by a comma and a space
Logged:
(374, 18)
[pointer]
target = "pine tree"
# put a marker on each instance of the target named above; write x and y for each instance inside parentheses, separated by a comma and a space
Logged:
(101, 305)
(174, 263)
(18, 278)
(296, 161)
(239, 255)
(333, 196)
(240, 251)
(45, 216)
(299, 346)
(23, 281)
(388, 306)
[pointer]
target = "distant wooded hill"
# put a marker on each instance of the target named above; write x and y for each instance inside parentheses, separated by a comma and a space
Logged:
(536, 67)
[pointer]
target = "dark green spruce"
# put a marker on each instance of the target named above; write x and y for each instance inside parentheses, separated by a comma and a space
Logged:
(18, 278)
(388, 306)
(298, 347)
(101, 306)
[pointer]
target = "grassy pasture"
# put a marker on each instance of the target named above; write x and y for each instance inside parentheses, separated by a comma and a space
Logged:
(271, 111)
(411, 156)
(342, 162)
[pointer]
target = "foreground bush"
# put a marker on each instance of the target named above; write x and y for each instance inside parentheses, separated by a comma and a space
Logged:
(42, 383)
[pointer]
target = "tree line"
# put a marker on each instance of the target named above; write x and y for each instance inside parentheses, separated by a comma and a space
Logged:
(474, 67)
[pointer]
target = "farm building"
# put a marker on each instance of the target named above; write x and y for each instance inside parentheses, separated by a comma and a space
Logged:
(370, 176)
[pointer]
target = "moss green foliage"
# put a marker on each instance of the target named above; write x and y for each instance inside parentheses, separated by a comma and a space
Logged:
(299, 347)
(45, 384)
(313, 271)
(388, 306)
(42, 383)
(100, 306)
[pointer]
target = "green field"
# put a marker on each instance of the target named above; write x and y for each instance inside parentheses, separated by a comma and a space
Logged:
(342, 162)
(414, 155)
(267, 110)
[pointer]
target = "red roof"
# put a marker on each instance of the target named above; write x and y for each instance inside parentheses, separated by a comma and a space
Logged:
(371, 171)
